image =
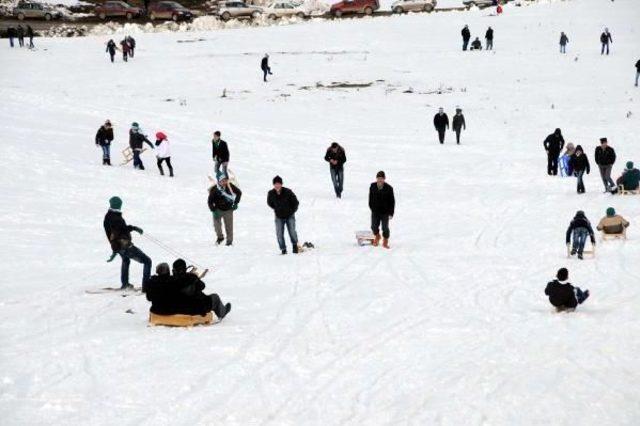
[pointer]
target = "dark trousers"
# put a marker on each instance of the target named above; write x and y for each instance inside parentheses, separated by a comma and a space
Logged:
(125, 56)
(489, 44)
(605, 46)
(552, 163)
(458, 131)
(168, 161)
(465, 44)
(441, 133)
(266, 71)
(11, 41)
(337, 178)
(136, 254)
(579, 175)
(21, 41)
(137, 162)
(377, 220)
(31, 46)
(131, 52)
(290, 223)
(216, 306)
(113, 55)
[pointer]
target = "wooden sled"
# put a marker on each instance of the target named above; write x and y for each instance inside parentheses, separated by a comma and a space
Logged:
(364, 237)
(592, 252)
(622, 235)
(623, 191)
(128, 155)
(180, 320)
(232, 178)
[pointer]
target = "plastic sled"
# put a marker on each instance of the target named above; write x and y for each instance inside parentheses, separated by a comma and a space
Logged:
(364, 237)
(230, 174)
(180, 320)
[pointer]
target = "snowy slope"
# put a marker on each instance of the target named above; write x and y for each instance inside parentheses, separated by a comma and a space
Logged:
(449, 327)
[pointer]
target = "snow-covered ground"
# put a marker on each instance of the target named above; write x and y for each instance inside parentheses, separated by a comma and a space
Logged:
(449, 327)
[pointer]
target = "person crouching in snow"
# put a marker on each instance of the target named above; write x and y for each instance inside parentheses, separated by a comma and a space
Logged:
(476, 44)
(580, 165)
(612, 223)
(382, 204)
(223, 201)
(163, 152)
(562, 294)
(579, 229)
(285, 205)
(136, 139)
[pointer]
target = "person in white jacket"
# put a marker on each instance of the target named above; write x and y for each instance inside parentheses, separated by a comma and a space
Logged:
(163, 152)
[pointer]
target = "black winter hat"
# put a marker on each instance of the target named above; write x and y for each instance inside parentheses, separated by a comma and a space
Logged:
(558, 132)
(179, 266)
(381, 174)
(562, 274)
(603, 140)
(277, 179)
(580, 213)
(579, 148)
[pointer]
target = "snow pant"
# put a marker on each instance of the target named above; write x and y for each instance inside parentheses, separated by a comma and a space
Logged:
(227, 216)
(579, 239)
(106, 155)
(125, 56)
(337, 178)
(637, 74)
(137, 162)
(218, 166)
(21, 41)
(377, 220)
(579, 175)
(168, 161)
(113, 55)
(604, 46)
(31, 45)
(441, 133)
(217, 306)
(552, 163)
(458, 131)
(563, 48)
(465, 44)
(265, 72)
(605, 174)
(11, 44)
(136, 254)
(489, 44)
(290, 223)
(581, 296)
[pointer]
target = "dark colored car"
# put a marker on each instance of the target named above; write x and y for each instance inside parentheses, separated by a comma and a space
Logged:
(169, 10)
(354, 6)
(117, 9)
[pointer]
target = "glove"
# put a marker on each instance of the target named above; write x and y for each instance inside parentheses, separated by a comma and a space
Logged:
(138, 230)
(113, 256)
(235, 206)
(217, 214)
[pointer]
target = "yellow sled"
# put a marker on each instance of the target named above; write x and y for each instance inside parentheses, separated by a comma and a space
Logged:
(180, 320)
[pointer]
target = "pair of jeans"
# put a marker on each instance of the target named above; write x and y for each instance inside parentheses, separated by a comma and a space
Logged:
(290, 223)
(579, 175)
(563, 48)
(168, 161)
(489, 44)
(552, 163)
(604, 46)
(441, 135)
(465, 43)
(106, 152)
(337, 178)
(218, 167)
(11, 43)
(579, 239)
(377, 220)
(458, 131)
(637, 76)
(136, 254)
(227, 216)
(266, 71)
(137, 162)
(605, 174)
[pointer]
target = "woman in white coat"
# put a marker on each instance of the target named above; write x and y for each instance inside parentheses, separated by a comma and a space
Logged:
(163, 152)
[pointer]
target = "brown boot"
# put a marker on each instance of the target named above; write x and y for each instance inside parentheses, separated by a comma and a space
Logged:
(376, 240)
(385, 243)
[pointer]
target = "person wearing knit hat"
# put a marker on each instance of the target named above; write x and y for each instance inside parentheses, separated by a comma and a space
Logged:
(136, 141)
(285, 205)
(613, 224)
(579, 229)
(382, 203)
(630, 179)
(223, 201)
(562, 295)
(163, 152)
(104, 137)
(580, 165)
(605, 158)
(119, 237)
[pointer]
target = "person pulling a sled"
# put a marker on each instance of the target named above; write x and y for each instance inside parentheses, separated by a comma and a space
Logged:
(562, 294)
(579, 229)
(136, 141)
(382, 204)
(223, 201)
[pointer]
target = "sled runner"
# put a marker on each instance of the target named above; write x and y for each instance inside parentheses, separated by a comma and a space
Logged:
(623, 191)
(193, 270)
(592, 252)
(622, 235)
(180, 320)
(125, 292)
(362, 237)
(128, 155)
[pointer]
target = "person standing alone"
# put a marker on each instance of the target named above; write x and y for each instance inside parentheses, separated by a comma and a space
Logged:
(489, 38)
(466, 36)
(382, 203)
(605, 39)
(605, 158)
(264, 66)
(637, 71)
(553, 144)
(441, 123)
(285, 205)
(563, 42)
(104, 137)
(336, 157)
(458, 124)
(223, 201)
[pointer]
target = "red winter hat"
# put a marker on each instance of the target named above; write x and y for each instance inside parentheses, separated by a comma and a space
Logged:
(161, 136)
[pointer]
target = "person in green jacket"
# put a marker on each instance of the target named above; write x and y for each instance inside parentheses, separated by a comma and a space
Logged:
(630, 179)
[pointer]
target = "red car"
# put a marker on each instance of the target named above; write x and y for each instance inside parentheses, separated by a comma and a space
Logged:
(117, 9)
(354, 6)
(169, 10)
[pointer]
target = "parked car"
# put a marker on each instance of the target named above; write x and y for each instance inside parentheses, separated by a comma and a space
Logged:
(401, 6)
(169, 10)
(33, 10)
(483, 3)
(238, 9)
(282, 9)
(354, 6)
(117, 9)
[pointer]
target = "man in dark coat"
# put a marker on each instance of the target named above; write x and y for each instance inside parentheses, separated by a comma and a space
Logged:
(119, 236)
(637, 69)
(132, 45)
(136, 141)
(488, 36)
(382, 203)
(458, 124)
(553, 144)
(336, 157)
(104, 137)
(12, 33)
(111, 48)
(284, 204)
(20, 35)
(219, 153)
(562, 294)
(630, 179)
(580, 165)
(579, 228)
(264, 66)
(441, 123)
(605, 158)
(466, 36)
(223, 201)
(124, 45)
(605, 39)
(563, 42)
(30, 34)
(476, 44)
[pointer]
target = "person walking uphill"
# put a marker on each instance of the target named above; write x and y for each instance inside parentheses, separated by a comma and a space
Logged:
(637, 69)
(119, 236)
(111, 48)
(124, 44)
(285, 205)
(224, 198)
(336, 157)
(30, 34)
(20, 35)
(605, 39)
(12, 33)
(163, 152)
(562, 295)
(458, 124)
(104, 137)
(553, 144)
(579, 229)
(605, 158)
(488, 36)
(264, 66)
(580, 165)
(220, 154)
(136, 140)
(466, 36)
(563, 42)
(382, 203)
(441, 123)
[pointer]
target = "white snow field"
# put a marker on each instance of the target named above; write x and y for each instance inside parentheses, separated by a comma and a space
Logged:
(449, 327)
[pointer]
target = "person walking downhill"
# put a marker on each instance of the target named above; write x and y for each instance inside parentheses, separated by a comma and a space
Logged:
(336, 157)
(163, 152)
(285, 205)
(382, 203)
(466, 36)
(553, 145)
(30, 34)
(605, 39)
(579, 228)
(563, 42)
(104, 137)
(489, 38)
(111, 48)
(132, 45)
(264, 66)
(458, 124)
(20, 36)
(580, 165)
(124, 44)
(441, 123)
(223, 200)
(136, 141)
(220, 154)
(605, 158)
(637, 69)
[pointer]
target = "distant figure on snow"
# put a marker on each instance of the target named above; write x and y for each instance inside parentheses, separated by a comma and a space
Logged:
(285, 205)
(630, 179)
(458, 124)
(20, 35)
(579, 229)
(264, 66)
(382, 203)
(612, 223)
(580, 165)
(223, 200)
(476, 44)
(220, 154)
(111, 48)
(553, 145)
(104, 137)
(163, 152)
(637, 69)
(12, 33)
(336, 157)
(565, 159)
(136, 141)
(132, 45)
(562, 294)
(489, 38)
(466, 36)
(124, 44)
(563, 42)
(30, 34)
(441, 123)
(605, 39)
(605, 158)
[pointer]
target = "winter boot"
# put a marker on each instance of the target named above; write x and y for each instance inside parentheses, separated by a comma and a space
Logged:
(573, 252)
(294, 249)
(108, 161)
(284, 251)
(580, 256)
(385, 243)
(227, 309)
(219, 240)
(376, 240)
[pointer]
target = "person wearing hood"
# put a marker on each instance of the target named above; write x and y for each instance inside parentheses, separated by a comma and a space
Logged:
(612, 223)
(565, 167)
(580, 165)
(264, 66)
(466, 36)
(441, 124)
(104, 137)
(563, 42)
(562, 295)
(119, 236)
(553, 145)
(579, 229)
(163, 152)
(630, 179)
(223, 200)
(136, 141)
(605, 158)
(605, 39)
(458, 124)
(111, 48)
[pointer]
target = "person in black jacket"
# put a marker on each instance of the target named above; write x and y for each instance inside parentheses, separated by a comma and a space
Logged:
(223, 201)
(104, 137)
(553, 145)
(488, 36)
(132, 45)
(466, 36)
(111, 48)
(382, 204)
(119, 236)
(605, 39)
(562, 294)
(12, 33)
(284, 204)
(476, 44)
(264, 66)
(637, 69)
(580, 165)
(30, 34)
(579, 229)
(441, 123)
(136, 141)
(219, 153)
(563, 42)
(605, 158)
(336, 157)
(458, 124)
(20, 36)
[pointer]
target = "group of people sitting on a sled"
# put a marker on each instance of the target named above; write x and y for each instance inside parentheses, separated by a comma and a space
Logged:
(611, 225)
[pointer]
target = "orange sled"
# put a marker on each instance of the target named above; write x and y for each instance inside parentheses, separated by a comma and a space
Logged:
(180, 320)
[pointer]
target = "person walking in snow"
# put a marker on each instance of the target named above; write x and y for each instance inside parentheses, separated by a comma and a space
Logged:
(111, 48)
(264, 66)
(630, 179)
(579, 229)
(104, 137)
(136, 141)
(580, 165)
(223, 200)
(30, 34)
(605, 158)
(163, 152)
(20, 36)
(458, 124)
(382, 203)
(219, 153)
(119, 236)
(466, 36)
(637, 69)
(563, 42)
(336, 157)
(132, 45)
(476, 44)
(441, 123)
(605, 39)
(12, 33)
(285, 205)
(124, 44)
(553, 145)
(562, 295)
(488, 36)
(612, 223)
(565, 158)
